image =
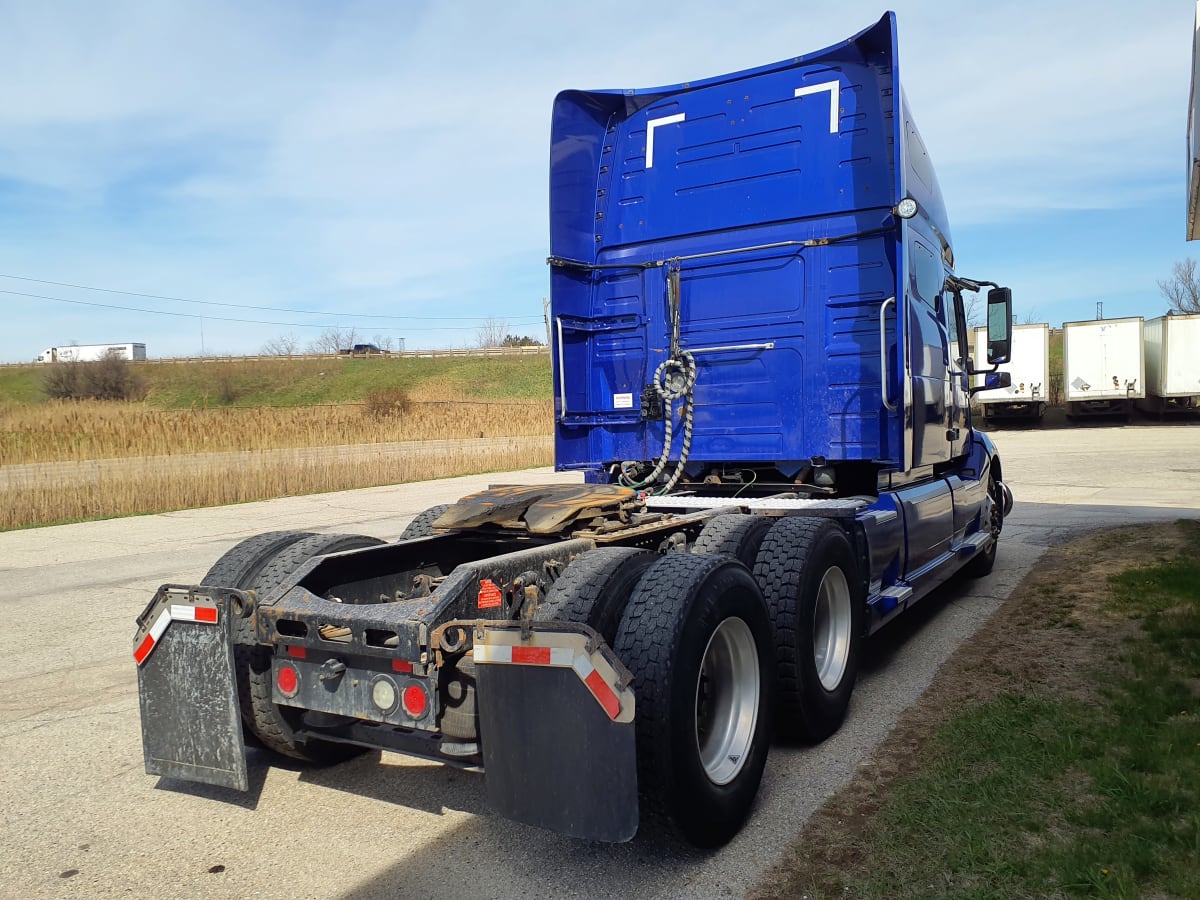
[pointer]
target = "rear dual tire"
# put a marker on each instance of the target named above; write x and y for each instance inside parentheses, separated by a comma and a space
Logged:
(262, 563)
(696, 636)
(816, 597)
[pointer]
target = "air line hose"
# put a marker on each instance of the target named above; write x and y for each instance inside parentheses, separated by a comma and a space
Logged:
(674, 379)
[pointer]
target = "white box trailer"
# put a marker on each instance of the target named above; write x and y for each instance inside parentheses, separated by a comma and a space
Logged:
(1172, 349)
(1029, 366)
(1104, 366)
(91, 352)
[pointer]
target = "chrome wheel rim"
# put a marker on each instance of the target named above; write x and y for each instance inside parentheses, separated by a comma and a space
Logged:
(832, 622)
(727, 692)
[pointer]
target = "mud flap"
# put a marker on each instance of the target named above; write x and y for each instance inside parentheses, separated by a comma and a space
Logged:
(556, 723)
(191, 725)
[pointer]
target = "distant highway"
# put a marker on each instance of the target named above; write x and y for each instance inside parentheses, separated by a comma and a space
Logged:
(393, 354)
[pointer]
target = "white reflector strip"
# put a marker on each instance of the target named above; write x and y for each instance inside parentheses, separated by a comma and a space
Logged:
(559, 657)
(583, 666)
(562, 657)
(176, 612)
(160, 625)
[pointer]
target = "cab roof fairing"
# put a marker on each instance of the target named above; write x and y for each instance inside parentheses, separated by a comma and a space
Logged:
(580, 119)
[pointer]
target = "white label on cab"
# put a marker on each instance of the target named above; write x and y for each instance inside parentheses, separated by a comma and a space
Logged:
(622, 401)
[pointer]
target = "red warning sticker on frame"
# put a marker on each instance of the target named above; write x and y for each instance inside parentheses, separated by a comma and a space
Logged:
(489, 595)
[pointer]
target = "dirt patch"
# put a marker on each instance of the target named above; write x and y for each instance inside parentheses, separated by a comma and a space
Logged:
(1054, 627)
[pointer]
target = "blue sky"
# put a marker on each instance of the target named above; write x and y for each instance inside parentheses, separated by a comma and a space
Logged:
(390, 158)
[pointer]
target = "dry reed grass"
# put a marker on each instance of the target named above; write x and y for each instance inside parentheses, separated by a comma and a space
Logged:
(72, 431)
(125, 490)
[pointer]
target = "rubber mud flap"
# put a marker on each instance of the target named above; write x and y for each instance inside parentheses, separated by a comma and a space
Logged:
(191, 723)
(553, 757)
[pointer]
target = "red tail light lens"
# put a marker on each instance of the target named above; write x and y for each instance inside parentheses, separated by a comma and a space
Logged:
(287, 679)
(415, 701)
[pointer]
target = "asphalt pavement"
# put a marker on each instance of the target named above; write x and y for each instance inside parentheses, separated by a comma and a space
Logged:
(81, 817)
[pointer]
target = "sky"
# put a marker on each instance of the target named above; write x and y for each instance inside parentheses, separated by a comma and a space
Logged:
(382, 166)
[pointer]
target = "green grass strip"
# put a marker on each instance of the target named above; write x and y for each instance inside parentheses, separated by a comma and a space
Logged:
(1036, 795)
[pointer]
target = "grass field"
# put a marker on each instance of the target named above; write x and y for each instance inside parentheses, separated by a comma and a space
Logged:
(75, 431)
(257, 407)
(308, 382)
(146, 486)
(1058, 754)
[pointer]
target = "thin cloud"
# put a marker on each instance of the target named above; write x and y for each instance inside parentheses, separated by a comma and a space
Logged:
(393, 157)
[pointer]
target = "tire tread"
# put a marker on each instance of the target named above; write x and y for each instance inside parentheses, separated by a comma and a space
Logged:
(422, 523)
(266, 720)
(735, 534)
(583, 592)
(781, 567)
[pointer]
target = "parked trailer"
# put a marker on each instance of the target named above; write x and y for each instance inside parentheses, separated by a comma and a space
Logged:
(91, 352)
(1029, 370)
(1104, 367)
(754, 374)
(1172, 364)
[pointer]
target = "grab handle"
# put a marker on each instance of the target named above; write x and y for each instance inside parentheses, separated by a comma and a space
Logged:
(883, 357)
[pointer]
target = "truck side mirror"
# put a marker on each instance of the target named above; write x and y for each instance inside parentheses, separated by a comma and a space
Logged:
(999, 325)
(997, 380)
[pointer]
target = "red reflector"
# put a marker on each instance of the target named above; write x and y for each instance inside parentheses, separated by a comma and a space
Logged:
(603, 693)
(533, 656)
(288, 681)
(206, 614)
(415, 701)
(401, 665)
(489, 595)
(144, 649)
(297, 652)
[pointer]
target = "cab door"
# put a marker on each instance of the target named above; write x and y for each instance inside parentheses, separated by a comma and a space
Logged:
(928, 349)
(958, 397)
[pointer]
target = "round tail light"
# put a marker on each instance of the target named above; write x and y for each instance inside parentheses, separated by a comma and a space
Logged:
(415, 701)
(287, 679)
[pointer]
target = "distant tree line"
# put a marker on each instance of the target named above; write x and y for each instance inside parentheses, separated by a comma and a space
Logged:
(329, 342)
(492, 333)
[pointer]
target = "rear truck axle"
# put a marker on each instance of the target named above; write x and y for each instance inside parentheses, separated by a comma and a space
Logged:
(596, 684)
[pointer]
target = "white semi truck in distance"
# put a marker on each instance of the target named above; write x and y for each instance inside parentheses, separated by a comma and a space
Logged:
(1172, 364)
(1025, 397)
(91, 352)
(1104, 366)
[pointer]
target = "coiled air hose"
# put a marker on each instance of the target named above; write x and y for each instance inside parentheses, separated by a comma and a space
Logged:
(673, 380)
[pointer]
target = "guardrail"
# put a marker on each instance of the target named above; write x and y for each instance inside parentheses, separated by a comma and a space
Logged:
(393, 354)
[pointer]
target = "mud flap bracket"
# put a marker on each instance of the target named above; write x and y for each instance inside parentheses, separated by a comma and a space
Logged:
(556, 722)
(191, 723)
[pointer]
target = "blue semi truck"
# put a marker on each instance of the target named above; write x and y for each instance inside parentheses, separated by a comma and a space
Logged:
(761, 368)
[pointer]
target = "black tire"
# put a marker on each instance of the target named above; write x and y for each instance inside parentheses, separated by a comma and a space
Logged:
(238, 567)
(595, 588)
(422, 523)
(736, 535)
(681, 604)
(982, 563)
(814, 686)
(274, 725)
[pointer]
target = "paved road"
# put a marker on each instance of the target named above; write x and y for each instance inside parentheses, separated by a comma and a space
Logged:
(81, 818)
